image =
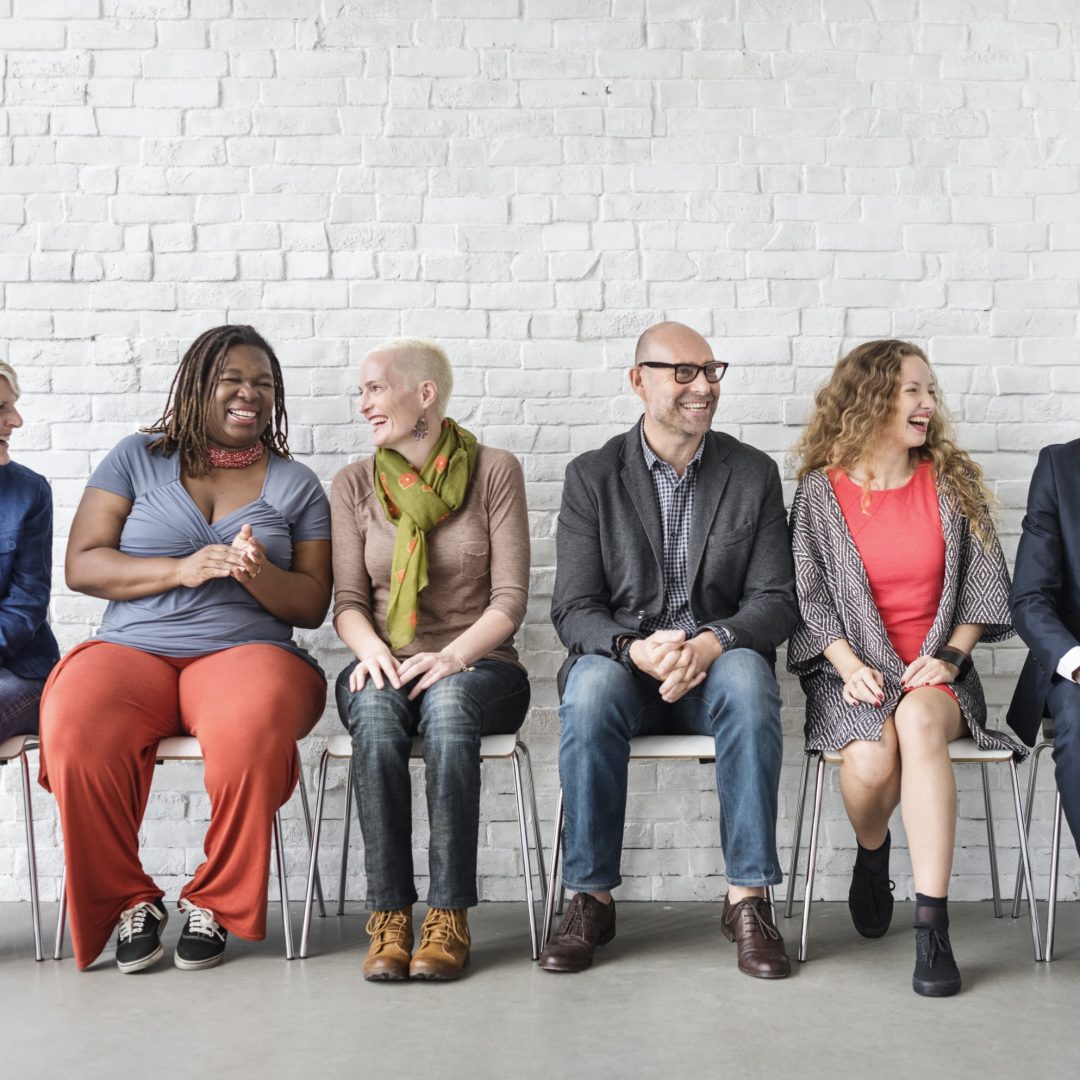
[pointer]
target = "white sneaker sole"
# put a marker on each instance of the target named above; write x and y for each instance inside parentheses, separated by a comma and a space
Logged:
(141, 965)
(197, 965)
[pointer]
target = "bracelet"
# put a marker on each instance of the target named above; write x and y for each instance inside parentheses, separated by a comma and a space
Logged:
(957, 657)
(464, 666)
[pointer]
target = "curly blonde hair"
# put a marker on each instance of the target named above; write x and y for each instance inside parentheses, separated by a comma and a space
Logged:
(852, 412)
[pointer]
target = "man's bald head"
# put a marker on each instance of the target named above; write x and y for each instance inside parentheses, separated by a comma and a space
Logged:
(666, 340)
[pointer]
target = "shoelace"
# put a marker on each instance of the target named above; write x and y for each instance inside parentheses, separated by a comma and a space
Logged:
(574, 924)
(752, 913)
(133, 921)
(201, 921)
(440, 927)
(936, 942)
(384, 926)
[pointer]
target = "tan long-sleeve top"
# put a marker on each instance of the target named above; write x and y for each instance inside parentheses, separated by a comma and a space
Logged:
(478, 559)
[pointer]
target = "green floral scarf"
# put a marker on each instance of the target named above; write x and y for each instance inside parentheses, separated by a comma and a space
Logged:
(416, 504)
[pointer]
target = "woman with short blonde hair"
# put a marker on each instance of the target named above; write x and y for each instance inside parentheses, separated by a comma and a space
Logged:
(431, 573)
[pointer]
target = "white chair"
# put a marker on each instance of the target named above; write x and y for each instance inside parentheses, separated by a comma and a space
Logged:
(339, 748)
(1055, 843)
(961, 752)
(11, 749)
(700, 748)
(187, 748)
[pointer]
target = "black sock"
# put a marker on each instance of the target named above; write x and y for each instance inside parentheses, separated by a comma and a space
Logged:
(875, 860)
(932, 911)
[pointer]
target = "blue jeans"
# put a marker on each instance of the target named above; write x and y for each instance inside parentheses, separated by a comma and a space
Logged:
(18, 704)
(451, 716)
(604, 706)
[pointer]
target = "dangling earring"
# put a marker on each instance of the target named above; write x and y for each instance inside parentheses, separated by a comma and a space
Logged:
(420, 428)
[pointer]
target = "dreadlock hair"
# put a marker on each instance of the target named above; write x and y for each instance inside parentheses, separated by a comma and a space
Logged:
(182, 426)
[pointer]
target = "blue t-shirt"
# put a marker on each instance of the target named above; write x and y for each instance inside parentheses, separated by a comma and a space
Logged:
(164, 521)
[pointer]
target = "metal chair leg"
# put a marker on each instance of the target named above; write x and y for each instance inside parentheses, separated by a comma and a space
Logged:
(793, 870)
(991, 847)
(530, 899)
(346, 822)
(1021, 831)
(307, 822)
(811, 865)
(535, 815)
(283, 887)
(1029, 806)
(35, 907)
(1055, 860)
(61, 918)
(553, 871)
(312, 877)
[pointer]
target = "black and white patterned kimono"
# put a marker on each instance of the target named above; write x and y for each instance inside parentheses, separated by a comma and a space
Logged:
(835, 602)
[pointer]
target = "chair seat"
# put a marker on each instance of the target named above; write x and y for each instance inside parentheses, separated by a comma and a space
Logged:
(13, 747)
(179, 748)
(491, 746)
(961, 751)
(697, 747)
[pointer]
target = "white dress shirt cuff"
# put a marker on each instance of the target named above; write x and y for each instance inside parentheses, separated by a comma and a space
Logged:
(1069, 663)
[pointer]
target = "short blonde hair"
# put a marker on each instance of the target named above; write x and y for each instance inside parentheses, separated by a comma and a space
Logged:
(8, 372)
(418, 360)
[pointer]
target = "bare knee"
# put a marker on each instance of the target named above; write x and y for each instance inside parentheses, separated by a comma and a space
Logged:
(923, 723)
(872, 764)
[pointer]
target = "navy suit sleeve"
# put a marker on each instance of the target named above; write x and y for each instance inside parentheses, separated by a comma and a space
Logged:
(581, 599)
(24, 603)
(1036, 589)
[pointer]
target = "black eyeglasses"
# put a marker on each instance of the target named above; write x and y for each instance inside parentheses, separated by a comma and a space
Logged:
(687, 373)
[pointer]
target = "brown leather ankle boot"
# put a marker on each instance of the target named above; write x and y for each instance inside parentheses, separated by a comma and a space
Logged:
(391, 945)
(444, 945)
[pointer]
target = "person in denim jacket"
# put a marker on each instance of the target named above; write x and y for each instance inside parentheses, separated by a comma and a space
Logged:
(27, 646)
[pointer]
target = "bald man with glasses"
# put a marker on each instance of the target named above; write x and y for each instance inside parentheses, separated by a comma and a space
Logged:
(674, 587)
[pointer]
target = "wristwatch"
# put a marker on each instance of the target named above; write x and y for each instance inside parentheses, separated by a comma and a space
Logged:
(621, 649)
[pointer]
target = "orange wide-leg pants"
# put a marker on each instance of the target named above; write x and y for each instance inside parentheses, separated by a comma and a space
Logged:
(103, 711)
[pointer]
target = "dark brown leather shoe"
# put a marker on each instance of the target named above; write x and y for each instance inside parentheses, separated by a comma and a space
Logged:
(588, 922)
(749, 923)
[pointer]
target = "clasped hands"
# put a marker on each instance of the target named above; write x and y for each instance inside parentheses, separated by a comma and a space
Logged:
(242, 560)
(676, 663)
(865, 684)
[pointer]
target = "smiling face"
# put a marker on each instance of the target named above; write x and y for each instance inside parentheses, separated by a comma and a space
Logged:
(9, 418)
(242, 404)
(390, 406)
(916, 402)
(675, 411)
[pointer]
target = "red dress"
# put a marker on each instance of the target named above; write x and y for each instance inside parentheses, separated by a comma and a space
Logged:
(902, 547)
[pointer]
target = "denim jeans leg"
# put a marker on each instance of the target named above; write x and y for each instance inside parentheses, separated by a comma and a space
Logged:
(602, 710)
(381, 723)
(739, 705)
(19, 699)
(454, 714)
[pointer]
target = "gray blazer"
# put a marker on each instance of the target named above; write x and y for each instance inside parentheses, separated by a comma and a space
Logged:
(610, 548)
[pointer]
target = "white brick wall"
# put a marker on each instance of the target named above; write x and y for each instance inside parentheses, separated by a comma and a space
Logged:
(534, 182)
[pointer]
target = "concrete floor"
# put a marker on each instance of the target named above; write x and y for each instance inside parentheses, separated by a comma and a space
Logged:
(664, 1000)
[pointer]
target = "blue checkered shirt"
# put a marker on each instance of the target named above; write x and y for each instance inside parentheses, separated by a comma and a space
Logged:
(675, 499)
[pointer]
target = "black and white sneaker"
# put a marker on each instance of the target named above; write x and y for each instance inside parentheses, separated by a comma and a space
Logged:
(138, 937)
(202, 941)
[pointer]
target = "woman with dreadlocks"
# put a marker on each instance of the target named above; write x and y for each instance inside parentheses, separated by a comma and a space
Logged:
(210, 544)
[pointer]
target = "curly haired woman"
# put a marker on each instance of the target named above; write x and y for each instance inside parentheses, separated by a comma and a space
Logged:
(899, 575)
